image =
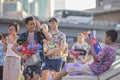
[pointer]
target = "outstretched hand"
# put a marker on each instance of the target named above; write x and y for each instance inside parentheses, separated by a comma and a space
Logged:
(88, 40)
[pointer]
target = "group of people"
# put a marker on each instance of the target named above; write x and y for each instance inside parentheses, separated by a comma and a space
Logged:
(53, 56)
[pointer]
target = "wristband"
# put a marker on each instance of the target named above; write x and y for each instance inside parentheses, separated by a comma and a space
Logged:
(41, 29)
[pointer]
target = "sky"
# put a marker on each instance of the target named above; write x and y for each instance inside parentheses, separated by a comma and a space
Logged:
(80, 4)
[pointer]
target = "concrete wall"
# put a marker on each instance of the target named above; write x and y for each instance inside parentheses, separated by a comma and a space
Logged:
(106, 2)
(69, 29)
(109, 16)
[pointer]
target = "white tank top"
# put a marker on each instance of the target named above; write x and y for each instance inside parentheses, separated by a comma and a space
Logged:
(9, 51)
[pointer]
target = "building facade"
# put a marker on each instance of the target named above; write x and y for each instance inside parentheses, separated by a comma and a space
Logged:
(44, 9)
(102, 3)
(38, 8)
(19, 9)
(1, 8)
(107, 10)
(12, 9)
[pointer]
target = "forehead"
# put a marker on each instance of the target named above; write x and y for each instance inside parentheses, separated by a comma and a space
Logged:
(31, 21)
(44, 25)
(80, 34)
(11, 27)
(52, 22)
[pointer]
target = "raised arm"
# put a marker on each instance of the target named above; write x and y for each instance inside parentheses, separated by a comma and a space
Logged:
(93, 53)
(46, 34)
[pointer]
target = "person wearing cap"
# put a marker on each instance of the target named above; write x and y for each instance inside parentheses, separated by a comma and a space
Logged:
(53, 59)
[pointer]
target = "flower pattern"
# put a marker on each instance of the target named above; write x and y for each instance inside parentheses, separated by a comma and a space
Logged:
(106, 57)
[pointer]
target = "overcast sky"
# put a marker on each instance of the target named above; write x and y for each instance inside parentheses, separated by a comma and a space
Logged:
(80, 4)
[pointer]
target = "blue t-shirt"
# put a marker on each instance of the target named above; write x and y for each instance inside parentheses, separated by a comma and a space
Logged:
(1, 54)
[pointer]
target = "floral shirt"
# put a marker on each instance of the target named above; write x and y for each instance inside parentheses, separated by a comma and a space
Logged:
(37, 37)
(57, 40)
(106, 57)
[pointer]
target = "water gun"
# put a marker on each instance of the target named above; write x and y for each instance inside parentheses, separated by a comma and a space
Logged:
(74, 53)
(51, 46)
(81, 51)
(96, 44)
(30, 48)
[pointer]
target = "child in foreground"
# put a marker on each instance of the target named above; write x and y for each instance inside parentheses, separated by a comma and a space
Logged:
(102, 61)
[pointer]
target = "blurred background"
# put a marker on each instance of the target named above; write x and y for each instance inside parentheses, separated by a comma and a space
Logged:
(43, 9)
(74, 15)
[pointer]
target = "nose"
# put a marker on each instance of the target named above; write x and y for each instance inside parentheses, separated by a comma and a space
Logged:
(33, 25)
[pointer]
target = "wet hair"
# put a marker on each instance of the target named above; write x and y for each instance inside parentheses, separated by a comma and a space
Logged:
(15, 25)
(80, 34)
(4, 35)
(1, 36)
(112, 34)
(28, 19)
(45, 26)
(53, 20)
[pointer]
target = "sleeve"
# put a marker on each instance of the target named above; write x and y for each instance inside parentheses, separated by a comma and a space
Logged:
(62, 39)
(73, 47)
(22, 39)
(102, 53)
(40, 37)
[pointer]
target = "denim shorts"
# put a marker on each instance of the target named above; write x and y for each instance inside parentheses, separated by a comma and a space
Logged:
(31, 70)
(52, 64)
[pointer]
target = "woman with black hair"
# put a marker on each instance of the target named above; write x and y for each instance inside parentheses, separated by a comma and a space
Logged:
(12, 61)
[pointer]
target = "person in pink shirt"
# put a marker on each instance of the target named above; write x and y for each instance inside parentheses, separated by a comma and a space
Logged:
(102, 61)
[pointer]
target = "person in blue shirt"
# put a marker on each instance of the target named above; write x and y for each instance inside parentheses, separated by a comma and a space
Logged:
(1, 56)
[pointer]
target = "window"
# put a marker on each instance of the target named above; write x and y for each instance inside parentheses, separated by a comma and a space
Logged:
(74, 16)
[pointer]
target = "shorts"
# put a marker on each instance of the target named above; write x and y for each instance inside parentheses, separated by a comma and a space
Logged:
(30, 71)
(74, 69)
(52, 64)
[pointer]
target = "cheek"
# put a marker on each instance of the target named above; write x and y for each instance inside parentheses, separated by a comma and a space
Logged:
(12, 32)
(9, 31)
(28, 27)
(106, 40)
(52, 24)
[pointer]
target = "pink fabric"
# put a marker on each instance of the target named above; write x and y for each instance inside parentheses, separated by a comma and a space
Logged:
(106, 57)
(11, 69)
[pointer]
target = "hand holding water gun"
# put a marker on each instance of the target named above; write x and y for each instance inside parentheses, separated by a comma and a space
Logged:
(30, 48)
(96, 44)
(74, 53)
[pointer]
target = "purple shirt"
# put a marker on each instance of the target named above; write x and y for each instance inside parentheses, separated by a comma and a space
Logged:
(106, 57)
